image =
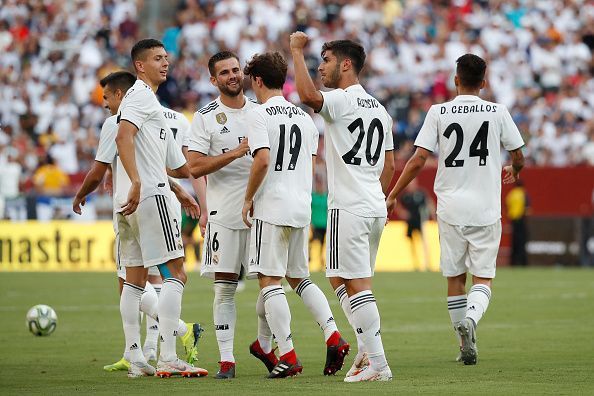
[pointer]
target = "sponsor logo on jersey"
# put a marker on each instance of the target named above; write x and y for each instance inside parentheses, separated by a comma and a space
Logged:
(215, 259)
(224, 130)
(221, 118)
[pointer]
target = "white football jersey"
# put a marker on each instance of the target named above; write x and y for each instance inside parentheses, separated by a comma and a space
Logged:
(284, 198)
(358, 134)
(468, 133)
(215, 130)
(155, 145)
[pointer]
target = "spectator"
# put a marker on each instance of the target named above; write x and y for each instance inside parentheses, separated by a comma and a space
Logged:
(518, 205)
(50, 180)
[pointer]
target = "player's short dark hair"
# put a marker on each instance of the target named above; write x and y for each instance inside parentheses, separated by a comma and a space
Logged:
(470, 70)
(219, 56)
(121, 80)
(347, 49)
(140, 47)
(271, 67)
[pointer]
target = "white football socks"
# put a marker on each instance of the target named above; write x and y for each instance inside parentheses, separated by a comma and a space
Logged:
(278, 316)
(346, 307)
(169, 313)
(264, 332)
(478, 302)
(152, 326)
(130, 311)
(457, 311)
(366, 319)
(317, 303)
(224, 313)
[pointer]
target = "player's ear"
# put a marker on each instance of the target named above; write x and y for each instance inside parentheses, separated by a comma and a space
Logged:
(138, 66)
(346, 64)
(118, 93)
(483, 84)
(456, 81)
(213, 80)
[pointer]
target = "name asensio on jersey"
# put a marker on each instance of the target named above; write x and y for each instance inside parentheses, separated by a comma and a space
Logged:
(367, 103)
(289, 111)
(465, 109)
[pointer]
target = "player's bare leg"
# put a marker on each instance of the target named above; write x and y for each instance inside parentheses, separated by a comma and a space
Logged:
(278, 317)
(314, 299)
(366, 320)
(225, 315)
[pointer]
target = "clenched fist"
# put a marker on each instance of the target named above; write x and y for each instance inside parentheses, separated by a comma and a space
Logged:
(298, 40)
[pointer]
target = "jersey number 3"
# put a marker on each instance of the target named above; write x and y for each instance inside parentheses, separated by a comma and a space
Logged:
(478, 147)
(351, 158)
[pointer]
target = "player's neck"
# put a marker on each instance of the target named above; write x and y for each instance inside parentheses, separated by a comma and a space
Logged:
(347, 81)
(233, 102)
(148, 82)
(468, 91)
(270, 93)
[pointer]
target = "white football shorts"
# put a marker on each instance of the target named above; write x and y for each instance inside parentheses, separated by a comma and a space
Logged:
(120, 269)
(469, 249)
(151, 235)
(351, 244)
(278, 250)
(225, 250)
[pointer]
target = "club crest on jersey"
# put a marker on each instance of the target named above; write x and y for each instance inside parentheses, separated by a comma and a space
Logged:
(221, 118)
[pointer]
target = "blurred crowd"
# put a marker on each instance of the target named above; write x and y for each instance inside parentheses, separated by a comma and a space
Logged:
(539, 54)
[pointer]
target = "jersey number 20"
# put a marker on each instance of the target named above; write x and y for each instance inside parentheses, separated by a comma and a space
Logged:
(351, 158)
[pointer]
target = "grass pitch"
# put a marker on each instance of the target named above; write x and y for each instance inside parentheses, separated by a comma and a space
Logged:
(536, 338)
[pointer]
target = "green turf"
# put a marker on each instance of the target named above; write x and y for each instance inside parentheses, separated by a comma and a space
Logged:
(535, 339)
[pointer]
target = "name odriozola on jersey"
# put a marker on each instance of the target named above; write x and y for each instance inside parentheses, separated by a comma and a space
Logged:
(468, 133)
(284, 198)
(215, 130)
(154, 144)
(358, 133)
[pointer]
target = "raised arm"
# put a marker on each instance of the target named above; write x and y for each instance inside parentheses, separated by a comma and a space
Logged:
(306, 89)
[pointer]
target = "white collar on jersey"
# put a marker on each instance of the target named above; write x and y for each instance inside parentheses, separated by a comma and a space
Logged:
(353, 87)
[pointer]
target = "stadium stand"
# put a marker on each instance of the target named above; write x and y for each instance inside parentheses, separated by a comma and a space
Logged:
(539, 55)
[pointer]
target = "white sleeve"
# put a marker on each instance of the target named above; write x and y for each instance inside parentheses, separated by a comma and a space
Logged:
(137, 107)
(389, 135)
(257, 132)
(316, 138)
(185, 126)
(198, 137)
(107, 149)
(429, 132)
(511, 139)
(175, 157)
(335, 104)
